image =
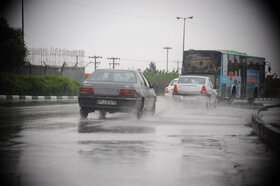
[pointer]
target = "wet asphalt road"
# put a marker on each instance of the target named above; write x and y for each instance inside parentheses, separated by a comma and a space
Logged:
(47, 144)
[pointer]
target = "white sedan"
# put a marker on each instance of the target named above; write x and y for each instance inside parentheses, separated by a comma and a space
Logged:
(169, 89)
(195, 89)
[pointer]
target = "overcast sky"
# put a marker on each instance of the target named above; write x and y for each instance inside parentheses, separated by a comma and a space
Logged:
(136, 31)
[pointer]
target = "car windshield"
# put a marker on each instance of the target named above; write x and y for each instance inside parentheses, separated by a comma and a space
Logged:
(113, 76)
(192, 80)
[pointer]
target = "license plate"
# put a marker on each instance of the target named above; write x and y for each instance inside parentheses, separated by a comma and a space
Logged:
(106, 102)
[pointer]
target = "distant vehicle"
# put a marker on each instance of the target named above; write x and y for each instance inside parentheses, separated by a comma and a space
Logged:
(195, 89)
(234, 74)
(110, 90)
(169, 89)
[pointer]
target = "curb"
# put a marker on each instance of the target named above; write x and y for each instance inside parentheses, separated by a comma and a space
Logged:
(266, 131)
(18, 98)
(267, 99)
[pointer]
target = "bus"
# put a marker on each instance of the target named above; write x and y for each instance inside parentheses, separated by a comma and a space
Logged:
(235, 75)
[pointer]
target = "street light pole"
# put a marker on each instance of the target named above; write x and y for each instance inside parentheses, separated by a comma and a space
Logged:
(184, 18)
(22, 20)
(167, 48)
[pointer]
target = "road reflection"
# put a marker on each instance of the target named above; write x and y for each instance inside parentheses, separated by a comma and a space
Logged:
(11, 120)
(41, 144)
(114, 126)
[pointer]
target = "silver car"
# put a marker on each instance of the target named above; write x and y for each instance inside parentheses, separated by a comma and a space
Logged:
(195, 89)
(168, 91)
(110, 90)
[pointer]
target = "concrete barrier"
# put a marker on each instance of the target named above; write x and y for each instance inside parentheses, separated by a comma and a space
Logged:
(18, 98)
(267, 131)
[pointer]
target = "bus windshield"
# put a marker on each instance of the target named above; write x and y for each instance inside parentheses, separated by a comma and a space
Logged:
(204, 62)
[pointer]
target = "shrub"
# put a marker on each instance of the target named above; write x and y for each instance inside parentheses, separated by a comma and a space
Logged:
(48, 85)
(160, 79)
(272, 86)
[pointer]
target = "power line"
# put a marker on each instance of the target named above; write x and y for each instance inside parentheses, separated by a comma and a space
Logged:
(230, 31)
(143, 60)
(113, 12)
(164, 19)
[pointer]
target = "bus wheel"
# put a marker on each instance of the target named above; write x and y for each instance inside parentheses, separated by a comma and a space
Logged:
(232, 97)
(252, 100)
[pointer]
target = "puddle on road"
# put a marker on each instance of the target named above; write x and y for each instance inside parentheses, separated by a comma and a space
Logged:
(202, 142)
(121, 150)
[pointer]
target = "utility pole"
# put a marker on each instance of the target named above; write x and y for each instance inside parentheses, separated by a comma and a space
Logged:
(167, 48)
(95, 62)
(184, 18)
(178, 65)
(114, 63)
(22, 20)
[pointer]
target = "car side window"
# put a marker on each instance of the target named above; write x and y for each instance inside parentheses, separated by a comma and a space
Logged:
(142, 81)
(173, 83)
(207, 82)
(147, 84)
(211, 84)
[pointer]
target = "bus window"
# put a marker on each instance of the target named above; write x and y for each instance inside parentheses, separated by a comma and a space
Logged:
(234, 66)
(204, 62)
(237, 63)
(225, 64)
(254, 63)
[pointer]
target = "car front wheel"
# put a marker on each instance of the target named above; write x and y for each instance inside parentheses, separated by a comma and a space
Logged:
(215, 104)
(207, 104)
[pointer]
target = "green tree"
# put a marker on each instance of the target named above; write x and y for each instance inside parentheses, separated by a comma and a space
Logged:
(152, 67)
(12, 48)
(159, 79)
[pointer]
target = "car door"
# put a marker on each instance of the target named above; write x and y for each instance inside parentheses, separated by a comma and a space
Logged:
(149, 92)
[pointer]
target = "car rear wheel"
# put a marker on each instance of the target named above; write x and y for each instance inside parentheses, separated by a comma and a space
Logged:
(83, 113)
(139, 110)
(215, 104)
(153, 111)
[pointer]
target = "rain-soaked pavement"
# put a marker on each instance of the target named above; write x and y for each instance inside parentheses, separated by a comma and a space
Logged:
(48, 145)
